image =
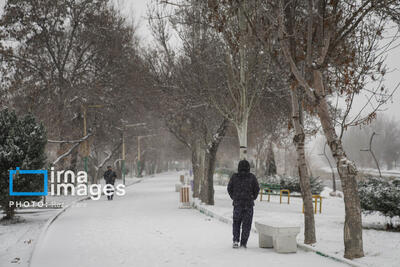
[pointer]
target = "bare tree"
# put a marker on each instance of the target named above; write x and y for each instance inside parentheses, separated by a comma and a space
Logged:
(323, 32)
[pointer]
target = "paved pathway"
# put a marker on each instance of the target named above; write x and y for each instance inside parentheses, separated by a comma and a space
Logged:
(146, 228)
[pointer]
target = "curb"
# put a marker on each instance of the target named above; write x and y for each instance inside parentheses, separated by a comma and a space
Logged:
(51, 220)
(301, 246)
(328, 255)
(49, 223)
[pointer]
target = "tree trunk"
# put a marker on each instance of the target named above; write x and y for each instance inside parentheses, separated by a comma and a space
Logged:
(285, 171)
(257, 158)
(96, 176)
(196, 169)
(298, 140)
(242, 135)
(389, 164)
(209, 162)
(243, 103)
(74, 160)
(270, 169)
(347, 170)
(143, 164)
(9, 211)
(207, 183)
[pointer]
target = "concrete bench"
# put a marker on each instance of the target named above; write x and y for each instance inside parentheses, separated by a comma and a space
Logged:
(277, 235)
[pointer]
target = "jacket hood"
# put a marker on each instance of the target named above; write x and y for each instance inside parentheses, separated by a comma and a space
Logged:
(244, 166)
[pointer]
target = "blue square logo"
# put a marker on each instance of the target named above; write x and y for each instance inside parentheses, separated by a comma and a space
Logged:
(17, 170)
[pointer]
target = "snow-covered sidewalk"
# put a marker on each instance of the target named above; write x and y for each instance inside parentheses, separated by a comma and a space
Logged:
(18, 239)
(146, 228)
(381, 248)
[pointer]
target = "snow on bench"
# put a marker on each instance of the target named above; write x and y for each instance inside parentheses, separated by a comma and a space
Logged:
(281, 236)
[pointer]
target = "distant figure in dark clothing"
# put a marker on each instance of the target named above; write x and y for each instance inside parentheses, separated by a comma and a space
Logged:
(243, 188)
(110, 177)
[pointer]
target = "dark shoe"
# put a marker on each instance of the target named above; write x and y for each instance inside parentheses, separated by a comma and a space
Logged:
(243, 245)
(235, 244)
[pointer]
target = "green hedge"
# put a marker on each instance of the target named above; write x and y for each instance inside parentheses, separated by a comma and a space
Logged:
(293, 183)
(377, 194)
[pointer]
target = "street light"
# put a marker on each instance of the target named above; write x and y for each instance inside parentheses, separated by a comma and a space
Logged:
(123, 145)
(86, 144)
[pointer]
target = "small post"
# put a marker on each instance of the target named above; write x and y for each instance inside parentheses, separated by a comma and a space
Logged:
(316, 204)
(320, 204)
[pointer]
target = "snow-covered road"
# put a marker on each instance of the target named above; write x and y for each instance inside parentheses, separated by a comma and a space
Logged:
(146, 228)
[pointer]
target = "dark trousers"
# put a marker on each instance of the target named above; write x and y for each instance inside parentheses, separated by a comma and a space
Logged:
(242, 218)
(111, 192)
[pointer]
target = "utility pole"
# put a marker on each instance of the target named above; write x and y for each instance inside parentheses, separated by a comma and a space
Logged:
(123, 156)
(85, 143)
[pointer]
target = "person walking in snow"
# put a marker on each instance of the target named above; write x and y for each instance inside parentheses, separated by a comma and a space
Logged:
(110, 177)
(243, 189)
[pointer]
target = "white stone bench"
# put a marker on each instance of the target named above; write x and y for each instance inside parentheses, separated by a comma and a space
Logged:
(280, 236)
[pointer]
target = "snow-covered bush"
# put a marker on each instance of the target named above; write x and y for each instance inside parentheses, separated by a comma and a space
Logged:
(377, 194)
(293, 183)
(22, 144)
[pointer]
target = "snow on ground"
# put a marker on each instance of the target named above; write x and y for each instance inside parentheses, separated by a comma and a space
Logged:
(381, 248)
(18, 239)
(146, 228)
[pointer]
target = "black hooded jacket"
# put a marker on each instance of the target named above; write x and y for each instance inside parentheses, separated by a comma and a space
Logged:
(110, 177)
(243, 186)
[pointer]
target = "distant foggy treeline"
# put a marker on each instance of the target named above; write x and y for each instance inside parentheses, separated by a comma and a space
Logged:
(385, 143)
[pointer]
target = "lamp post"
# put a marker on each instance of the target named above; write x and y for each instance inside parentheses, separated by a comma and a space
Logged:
(124, 148)
(85, 143)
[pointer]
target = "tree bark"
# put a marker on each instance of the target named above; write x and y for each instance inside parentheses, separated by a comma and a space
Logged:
(270, 162)
(209, 161)
(298, 140)
(196, 169)
(207, 183)
(242, 135)
(9, 211)
(74, 160)
(305, 186)
(347, 170)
